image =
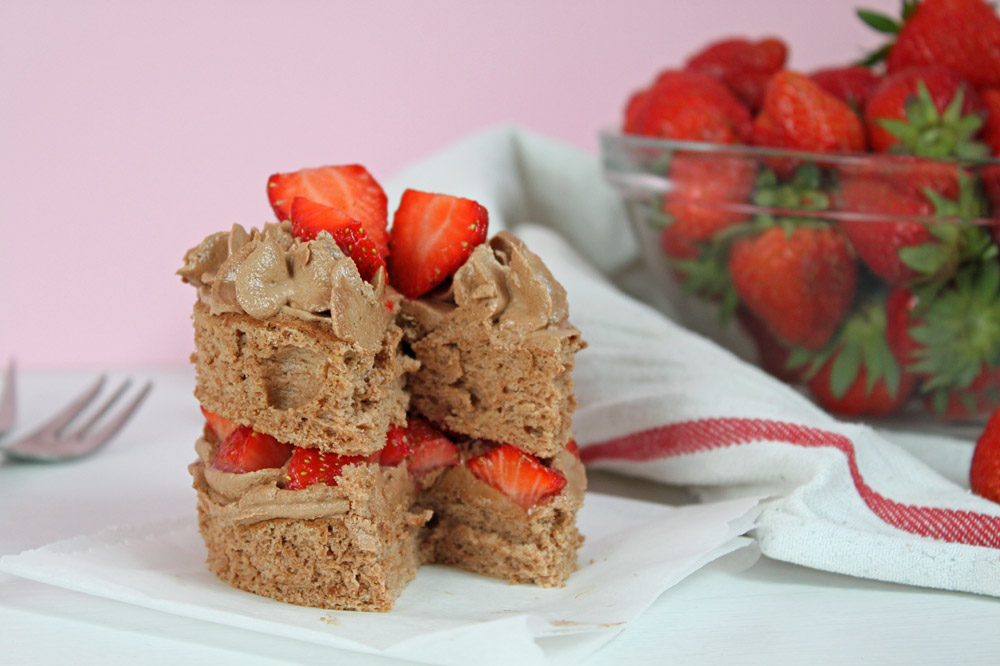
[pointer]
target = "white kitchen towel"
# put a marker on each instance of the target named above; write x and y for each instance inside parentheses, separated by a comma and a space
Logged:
(663, 403)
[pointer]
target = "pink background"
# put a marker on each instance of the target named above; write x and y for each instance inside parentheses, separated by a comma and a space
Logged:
(129, 130)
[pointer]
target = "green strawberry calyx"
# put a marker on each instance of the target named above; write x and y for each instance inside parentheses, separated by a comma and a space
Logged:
(887, 26)
(861, 343)
(928, 132)
(958, 327)
(958, 238)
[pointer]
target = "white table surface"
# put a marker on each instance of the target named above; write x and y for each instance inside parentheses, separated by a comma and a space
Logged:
(771, 613)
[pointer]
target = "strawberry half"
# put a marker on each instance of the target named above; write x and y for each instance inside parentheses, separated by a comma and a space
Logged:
(246, 450)
(309, 466)
(516, 474)
(432, 236)
(349, 188)
(421, 445)
(220, 427)
(309, 218)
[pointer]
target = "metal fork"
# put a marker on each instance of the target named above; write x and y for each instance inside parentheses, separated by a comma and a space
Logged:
(52, 443)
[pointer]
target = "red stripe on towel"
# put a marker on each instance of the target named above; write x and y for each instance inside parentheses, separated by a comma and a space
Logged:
(953, 526)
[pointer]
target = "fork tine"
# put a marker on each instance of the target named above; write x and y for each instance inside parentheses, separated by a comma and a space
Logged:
(8, 401)
(70, 411)
(109, 430)
(101, 411)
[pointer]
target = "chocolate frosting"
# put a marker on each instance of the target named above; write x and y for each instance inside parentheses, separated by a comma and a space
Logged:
(502, 281)
(263, 273)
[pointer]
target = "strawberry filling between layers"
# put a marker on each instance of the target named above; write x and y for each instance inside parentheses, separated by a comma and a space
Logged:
(424, 450)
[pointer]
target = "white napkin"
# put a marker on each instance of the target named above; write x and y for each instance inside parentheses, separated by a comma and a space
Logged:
(632, 553)
(660, 402)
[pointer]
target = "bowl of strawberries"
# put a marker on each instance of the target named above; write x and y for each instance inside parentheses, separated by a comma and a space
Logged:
(842, 225)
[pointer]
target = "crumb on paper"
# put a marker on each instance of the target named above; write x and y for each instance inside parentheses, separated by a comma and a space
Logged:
(329, 619)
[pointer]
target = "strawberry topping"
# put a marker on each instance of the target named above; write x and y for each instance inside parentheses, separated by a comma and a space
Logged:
(309, 218)
(432, 236)
(349, 188)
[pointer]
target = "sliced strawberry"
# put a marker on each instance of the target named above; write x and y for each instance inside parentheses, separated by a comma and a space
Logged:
(219, 426)
(309, 218)
(397, 447)
(309, 466)
(516, 474)
(246, 450)
(349, 188)
(433, 454)
(432, 236)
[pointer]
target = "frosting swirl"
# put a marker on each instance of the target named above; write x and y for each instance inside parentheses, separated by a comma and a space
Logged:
(264, 273)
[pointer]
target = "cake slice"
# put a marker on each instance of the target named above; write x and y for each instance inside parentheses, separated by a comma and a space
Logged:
(356, 429)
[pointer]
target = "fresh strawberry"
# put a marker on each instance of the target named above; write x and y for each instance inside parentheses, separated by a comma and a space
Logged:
(309, 218)
(853, 85)
(799, 280)
(309, 466)
(900, 241)
(349, 188)
(421, 445)
(858, 374)
(961, 34)
(516, 474)
(688, 106)
(709, 193)
(984, 472)
(929, 111)
(742, 65)
(798, 114)
(700, 268)
(246, 450)
(218, 426)
(432, 236)
(878, 240)
(956, 328)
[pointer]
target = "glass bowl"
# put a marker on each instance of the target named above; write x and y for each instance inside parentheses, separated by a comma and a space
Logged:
(871, 281)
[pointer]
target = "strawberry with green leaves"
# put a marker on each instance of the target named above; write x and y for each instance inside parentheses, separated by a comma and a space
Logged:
(690, 106)
(348, 188)
(955, 329)
(246, 450)
(984, 472)
(930, 111)
(963, 35)
(518, 475)
(744, 66)
(858, 373)
(309, 218)
(905, 236)
(798, 114)
(432, 236)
